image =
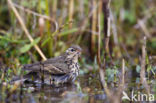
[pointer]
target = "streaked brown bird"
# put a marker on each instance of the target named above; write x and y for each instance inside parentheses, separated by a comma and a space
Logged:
(58, 70)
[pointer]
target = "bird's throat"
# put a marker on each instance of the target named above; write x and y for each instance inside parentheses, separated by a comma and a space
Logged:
(73, 58)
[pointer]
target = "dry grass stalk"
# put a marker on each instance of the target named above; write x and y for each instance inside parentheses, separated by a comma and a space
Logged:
(144, 28)
(104, 84)
(101, 71)
(54, 9)
(143, 63)
(85, 20)
(114, 28)
(37, 14)
(123, 72)
(122, 84)
(25, 29)
(106, 11)
(93, 27)
(15, 87)
(112, 96)
(81, 9)
(41, 25)
(71, 12)
(128, 55)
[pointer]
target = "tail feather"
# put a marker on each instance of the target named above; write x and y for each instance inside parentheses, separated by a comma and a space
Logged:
(31, 76)
(18, 79)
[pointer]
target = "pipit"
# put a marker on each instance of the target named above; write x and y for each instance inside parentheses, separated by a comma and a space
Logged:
(58, 70)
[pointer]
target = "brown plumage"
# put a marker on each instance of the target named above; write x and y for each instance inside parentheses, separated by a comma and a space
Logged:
(61, 69)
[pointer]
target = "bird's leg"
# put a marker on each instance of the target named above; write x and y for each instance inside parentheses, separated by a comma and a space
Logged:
(42, 72)
(50, 79)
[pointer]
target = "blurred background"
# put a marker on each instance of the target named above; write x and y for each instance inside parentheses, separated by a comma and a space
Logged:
(54, 25)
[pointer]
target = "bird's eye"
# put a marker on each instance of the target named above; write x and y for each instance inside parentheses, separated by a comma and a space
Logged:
(72, 50)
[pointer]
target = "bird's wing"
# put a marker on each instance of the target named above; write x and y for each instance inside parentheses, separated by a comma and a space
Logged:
(32, 67)
(56, 68)
(56, 65)
(52, 66)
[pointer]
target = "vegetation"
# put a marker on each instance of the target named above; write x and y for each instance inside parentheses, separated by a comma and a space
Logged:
(118, 39)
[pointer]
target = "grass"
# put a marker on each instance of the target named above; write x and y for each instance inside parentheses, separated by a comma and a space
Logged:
(51, 26)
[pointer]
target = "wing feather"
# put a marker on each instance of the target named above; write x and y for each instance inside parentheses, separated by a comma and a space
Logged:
(53, 66)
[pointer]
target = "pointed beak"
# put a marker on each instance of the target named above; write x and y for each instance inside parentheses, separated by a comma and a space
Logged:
(79, 52)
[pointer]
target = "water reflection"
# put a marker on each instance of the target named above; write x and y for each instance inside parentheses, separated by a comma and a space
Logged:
(46, 93)
(80, 92)
(85, 89)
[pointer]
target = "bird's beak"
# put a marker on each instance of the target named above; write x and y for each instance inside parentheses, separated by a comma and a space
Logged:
(79, 52)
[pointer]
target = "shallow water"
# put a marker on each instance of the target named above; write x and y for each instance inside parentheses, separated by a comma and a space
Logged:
(86, 89)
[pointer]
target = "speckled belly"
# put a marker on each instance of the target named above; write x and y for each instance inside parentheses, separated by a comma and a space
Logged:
(75, 69)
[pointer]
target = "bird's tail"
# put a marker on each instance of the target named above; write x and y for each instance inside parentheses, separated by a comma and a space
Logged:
(18, 79)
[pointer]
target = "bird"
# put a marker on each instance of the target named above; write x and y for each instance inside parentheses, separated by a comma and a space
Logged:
(54, 71)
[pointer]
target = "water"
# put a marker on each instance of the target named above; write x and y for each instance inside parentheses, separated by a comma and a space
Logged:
(85, 89)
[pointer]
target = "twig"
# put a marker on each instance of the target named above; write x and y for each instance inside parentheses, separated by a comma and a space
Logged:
(84, 22)
(106, 11)
(25, 29)
(114, 28)
(93, 27)
(142, 72)
(99, 35)
(101, 71)
(37, 14)
(70, 14)
(123, 72)
(108, 92)
(128, 55)
(113, 97)
(144, 28)
(104, 84)
(122, 84)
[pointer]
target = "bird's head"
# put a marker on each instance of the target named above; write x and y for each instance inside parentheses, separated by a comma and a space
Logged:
(73, 52)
